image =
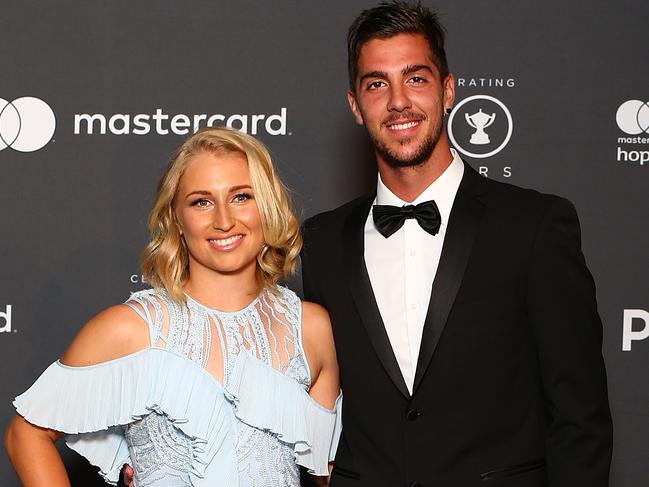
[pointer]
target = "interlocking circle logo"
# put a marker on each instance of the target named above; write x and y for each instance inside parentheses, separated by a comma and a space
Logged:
(26, 124)
(480, 126)
(633, 117)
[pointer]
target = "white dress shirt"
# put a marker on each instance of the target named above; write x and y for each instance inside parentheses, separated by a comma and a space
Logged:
(402, 267)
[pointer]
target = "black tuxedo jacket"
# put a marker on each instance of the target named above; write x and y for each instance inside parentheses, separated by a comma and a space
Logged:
(510, 386)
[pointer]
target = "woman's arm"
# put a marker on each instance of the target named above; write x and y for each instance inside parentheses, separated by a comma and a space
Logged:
(113, 333)
(33, 454)
(321, 355)
(320, 352)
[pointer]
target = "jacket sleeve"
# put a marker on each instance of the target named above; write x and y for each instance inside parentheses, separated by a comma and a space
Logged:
(568, 335)
(309, 281)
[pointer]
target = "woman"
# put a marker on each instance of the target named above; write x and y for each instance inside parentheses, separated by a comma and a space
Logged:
(202, 380)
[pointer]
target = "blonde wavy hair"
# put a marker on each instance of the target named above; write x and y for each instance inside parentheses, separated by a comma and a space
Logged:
(165, 260)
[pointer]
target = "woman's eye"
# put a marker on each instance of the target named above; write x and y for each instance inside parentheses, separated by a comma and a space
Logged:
(241, 197)
(201, 202)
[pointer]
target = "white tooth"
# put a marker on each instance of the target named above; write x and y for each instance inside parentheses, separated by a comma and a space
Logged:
(403, 126)
(226, 241)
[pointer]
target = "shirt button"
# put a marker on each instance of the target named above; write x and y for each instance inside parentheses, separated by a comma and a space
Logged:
(413, 414)
(412, 253)
(413, 306)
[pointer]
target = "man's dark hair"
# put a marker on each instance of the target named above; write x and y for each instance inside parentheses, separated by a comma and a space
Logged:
(389, 19)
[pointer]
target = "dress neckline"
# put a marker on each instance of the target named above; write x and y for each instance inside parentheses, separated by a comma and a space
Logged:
(227, 313)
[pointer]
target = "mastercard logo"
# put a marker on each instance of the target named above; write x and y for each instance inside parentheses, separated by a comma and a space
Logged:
(27, 124)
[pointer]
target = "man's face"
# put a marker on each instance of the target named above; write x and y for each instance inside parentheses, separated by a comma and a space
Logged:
(400, 98)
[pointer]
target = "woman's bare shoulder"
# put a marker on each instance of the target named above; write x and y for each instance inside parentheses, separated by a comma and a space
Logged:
(316, 325)
(113, 333)
(315, 316)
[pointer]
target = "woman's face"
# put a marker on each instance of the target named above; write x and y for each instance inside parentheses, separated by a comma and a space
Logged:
(218, 216)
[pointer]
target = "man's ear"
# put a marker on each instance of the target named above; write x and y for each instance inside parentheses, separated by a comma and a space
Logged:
(353, 106)
(449, 91)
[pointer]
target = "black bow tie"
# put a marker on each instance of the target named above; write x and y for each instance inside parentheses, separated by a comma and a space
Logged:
(388, 219)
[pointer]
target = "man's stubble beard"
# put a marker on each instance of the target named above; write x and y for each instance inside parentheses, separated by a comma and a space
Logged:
(422, 154)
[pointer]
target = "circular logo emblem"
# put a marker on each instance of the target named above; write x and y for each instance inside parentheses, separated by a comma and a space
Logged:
(26, 124)
(480, 126)
(633, 117)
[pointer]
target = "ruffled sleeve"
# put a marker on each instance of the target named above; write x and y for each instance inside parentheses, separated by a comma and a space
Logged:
(264, 398)
(92, 404)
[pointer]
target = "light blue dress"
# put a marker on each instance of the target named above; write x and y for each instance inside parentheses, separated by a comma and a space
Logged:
(162, 412)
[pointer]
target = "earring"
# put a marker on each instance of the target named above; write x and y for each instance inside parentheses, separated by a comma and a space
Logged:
(448, 110)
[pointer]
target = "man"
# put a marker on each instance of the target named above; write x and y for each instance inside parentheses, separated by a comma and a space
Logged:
(466, 329)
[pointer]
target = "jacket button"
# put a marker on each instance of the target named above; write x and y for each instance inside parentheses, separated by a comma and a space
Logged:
(416, 484)
(412, 415)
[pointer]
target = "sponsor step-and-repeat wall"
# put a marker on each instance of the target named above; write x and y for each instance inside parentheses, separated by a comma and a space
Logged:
(95, 96)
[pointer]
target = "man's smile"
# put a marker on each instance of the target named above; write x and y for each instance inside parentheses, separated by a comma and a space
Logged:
(403, 125)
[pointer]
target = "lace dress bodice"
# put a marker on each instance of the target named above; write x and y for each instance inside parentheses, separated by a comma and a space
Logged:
(225, 402)
(269, 329)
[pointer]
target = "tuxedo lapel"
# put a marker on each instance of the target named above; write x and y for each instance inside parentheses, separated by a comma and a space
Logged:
(458, 242)
(363, 295)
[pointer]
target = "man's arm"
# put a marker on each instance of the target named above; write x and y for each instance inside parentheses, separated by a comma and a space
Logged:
(568, 334)
(312, 293)
(309, 282)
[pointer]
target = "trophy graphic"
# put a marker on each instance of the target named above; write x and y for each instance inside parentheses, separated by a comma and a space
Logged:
(479, 121)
